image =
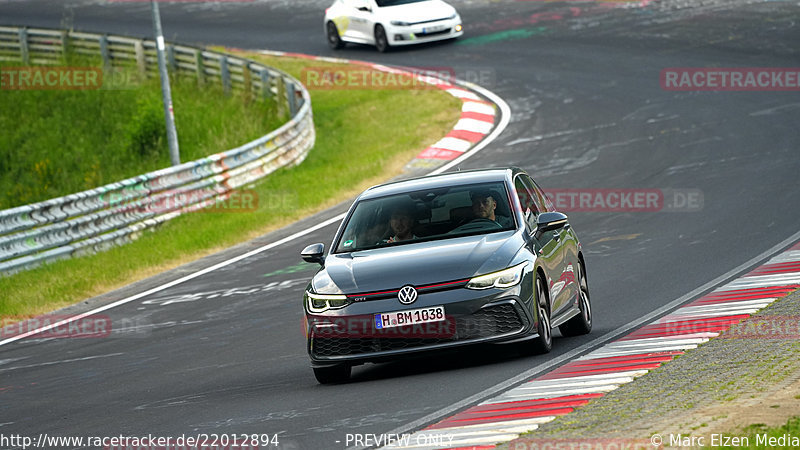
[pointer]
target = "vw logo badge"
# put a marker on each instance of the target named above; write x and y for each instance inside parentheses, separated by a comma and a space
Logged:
(407, 295)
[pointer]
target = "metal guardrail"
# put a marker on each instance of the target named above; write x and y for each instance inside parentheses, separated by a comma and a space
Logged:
(94, 220)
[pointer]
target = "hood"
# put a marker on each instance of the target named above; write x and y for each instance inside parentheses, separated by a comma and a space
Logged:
(418, 12)
(420, 263)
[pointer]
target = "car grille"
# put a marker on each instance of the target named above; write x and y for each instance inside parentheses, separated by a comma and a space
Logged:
(487, 322)
(430, 21)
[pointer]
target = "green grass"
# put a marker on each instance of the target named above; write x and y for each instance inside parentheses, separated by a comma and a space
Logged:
(761, 436)
(58, 142)
(363, 138)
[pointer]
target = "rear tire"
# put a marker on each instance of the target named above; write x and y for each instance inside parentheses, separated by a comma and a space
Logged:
(381, 41)
(582, 323)
(332, 374)
(544, 342)
(334, 40)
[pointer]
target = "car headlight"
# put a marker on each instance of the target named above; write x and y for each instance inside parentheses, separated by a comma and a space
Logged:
(502, 279)
(318, 303)
(400, 23)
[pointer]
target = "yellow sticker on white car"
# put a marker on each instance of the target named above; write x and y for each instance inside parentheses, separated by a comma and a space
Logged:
(341, 22)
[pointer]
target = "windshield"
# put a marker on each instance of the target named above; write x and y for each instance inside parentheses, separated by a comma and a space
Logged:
(382, 3)
(436, 214)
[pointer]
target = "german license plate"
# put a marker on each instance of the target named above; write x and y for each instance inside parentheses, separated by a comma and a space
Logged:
(433, 29)
(409, 317)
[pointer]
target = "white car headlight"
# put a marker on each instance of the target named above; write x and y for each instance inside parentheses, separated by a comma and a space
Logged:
(318, 303)
(501, 279)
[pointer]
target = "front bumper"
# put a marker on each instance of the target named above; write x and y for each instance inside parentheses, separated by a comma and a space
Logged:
(426, 32)
(472, 317)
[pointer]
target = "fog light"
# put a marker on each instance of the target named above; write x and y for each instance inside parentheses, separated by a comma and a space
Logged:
(399, 37)
(458, 28)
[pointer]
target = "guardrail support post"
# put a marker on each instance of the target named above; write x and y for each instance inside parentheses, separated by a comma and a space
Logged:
(225, 74)
(266, 89)
(141, 62)
(171, 59)
(290, 97)
(23, 46)
(200, 67)
(247, 83)
(104, 52)
(65, 45)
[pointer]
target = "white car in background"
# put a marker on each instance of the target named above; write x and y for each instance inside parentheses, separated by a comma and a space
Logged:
(388, 23)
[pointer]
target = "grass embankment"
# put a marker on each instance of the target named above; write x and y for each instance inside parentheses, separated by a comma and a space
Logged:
(58, 142)
(363, 138)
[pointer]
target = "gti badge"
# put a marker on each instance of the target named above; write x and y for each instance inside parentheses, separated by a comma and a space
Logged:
(407, 295)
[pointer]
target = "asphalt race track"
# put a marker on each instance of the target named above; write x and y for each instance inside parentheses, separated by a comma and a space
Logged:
(225, 352)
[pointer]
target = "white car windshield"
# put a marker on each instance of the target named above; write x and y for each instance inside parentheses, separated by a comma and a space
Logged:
(429, 215)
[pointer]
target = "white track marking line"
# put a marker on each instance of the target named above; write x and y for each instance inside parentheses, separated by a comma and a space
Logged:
(473, 125)
(533, 395)
(599, 376)
(728, 309)
(455, 144)
(480, 108)
(642, 343)
(761, 281)
(671, 336)
(569, 383)
(463, 94)
(63, 361)
(790, 256)
(677, 316)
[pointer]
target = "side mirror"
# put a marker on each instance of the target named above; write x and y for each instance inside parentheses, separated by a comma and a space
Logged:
(550, 221)
(313, 253)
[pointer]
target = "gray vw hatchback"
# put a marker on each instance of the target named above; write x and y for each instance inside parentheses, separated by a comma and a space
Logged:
(443, 261)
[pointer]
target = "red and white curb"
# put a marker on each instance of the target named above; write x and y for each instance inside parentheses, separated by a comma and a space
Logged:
(477, 120)
(557, 393)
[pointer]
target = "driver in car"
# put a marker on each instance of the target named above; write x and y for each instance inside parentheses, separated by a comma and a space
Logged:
(483, 207)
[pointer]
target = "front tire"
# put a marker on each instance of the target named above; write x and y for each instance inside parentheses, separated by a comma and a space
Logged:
(332, 374)
(582, 323)
(381, 41)
(544, 341)
(334, 40)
